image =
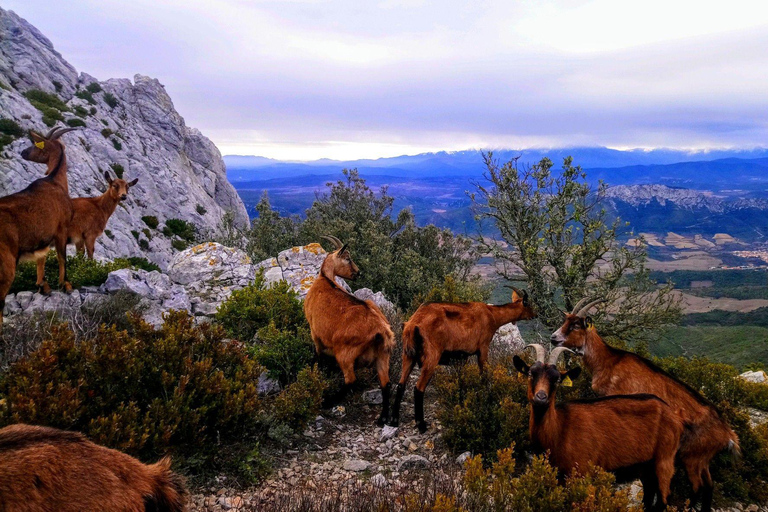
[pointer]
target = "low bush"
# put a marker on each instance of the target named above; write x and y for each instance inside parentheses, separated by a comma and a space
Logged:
(283, 352)
(80, 270)
(41, 99)
(117, 144)
(256, 306)
(110, 99)
(106, 132)
(181, 228)
(93, 87)
(75, 122)
(301, 400)
(179, 245)
(86, 96)
(151, 221)
(9, 131)
(452, 290)
(181, 388)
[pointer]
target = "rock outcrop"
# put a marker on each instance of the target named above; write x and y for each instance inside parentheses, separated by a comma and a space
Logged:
(128, 128)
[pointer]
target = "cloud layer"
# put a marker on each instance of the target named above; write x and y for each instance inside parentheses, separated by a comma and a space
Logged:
(345, 79)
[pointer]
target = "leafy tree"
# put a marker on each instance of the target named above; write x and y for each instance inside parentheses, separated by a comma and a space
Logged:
(270, 233)
(566, 248)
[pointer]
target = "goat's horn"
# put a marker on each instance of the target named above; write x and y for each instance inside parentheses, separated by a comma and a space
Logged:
(579, 304)
(541, 352)
(50, 132)
(583, 311)
(556, 352)
(62, 131)
(335, 241)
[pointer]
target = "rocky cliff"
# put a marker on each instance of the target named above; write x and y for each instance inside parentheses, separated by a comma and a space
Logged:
(128, 128)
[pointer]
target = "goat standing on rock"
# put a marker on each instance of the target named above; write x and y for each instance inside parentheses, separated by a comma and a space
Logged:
(437, 331)
(38, 216)
(624, 432)
(618, 372)
(347, 328)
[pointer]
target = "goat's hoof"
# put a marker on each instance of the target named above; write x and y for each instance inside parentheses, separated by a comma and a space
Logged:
(394, 422)
(44, 289)
(67, 287)
(381, 421)
(422, 426)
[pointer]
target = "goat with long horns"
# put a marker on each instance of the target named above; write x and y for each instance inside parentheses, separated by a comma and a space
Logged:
(636, 435)
(618, 372)
(39, 216)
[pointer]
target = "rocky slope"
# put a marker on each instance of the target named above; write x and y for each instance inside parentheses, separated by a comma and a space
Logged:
(130, 128)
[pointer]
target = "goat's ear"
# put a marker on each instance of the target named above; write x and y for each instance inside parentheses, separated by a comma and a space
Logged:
(36, 137)
(571, 374)
(515, 296)
(520, 365)
(589, 323)
(133, 183)
(107, 177)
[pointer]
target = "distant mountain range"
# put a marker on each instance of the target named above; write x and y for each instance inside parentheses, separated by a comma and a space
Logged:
(655, 191)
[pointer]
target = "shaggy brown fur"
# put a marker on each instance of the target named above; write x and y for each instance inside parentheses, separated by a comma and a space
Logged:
(628, 432)
(90, 217)
(438, 330)
(48, 470)
(347, 328)
(38, 216)
(617, 372)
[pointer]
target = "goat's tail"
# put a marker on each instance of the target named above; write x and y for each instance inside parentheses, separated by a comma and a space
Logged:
(413, 342)
(733, 446)
(169, 492)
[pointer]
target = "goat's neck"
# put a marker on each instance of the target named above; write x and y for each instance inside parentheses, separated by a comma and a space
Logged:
(544, 425)
(57, 170)
(598, 356)
(327, 272)
(505, 313)
(107, 203)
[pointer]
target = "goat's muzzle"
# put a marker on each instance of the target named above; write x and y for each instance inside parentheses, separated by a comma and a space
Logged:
(25, 153)
(123, 197)
(540, 398)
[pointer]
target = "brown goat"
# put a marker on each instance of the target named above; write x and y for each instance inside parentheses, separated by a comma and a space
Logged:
(90, 218)
(624, 433)
(38, 216)
(618, 372)
(49, 470)
(439, 332)
(347, 328)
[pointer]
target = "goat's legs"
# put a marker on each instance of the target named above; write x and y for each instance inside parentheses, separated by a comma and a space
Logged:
(90, 242)
(61, 255)
(80, 247)
(482, 358)
(665, 469)
(42, 285)
(650, 488)
(706, 490)
(408, 364)
(382, 368)
(347, 365)
(695, 476)
(7, 274)
(427, 370)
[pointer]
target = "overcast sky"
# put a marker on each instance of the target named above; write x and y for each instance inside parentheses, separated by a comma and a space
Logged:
(304, 79)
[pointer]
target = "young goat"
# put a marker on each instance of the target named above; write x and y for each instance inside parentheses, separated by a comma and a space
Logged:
(438, 332)
(617, 372)
(90, 218)
(38, 216)
(624, 433)
(347, 328)
(48, 470)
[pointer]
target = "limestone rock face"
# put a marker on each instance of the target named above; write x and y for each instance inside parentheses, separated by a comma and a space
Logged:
(299, 266)
(159, 294)
(758, 377)
(210, 272)
(140, 135)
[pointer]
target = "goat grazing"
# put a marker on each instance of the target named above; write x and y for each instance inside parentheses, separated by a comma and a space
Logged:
(624, 433)
(49, 470)
(90, 217)
(438, 332)
(38, 216)
(618, 372)
(347, 328)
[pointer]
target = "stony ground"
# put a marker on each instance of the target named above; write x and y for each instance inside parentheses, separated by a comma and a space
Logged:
(345, 448)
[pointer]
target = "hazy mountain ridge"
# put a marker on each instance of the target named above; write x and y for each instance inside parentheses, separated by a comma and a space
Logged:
(130, 128)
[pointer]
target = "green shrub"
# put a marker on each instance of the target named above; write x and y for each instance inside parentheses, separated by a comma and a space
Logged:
(144, 244)
(181, 387)
(151, 221)
(147, 233)
(81, 111)
(10, 127)
(86, 96)
(138, 263)
(135, 234)
(80, 270)
(110, 99)
(41, 99)
(106, 132)
(284, 353)
(451, 290)
(118, 169)
(181, 228)
(109, 234)
(57, 85)
(301, 401)
(482, 413)
(256, 306)
(201, 209)
(179, 245)
(116, 143)
(93, 87)
(75, 122)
